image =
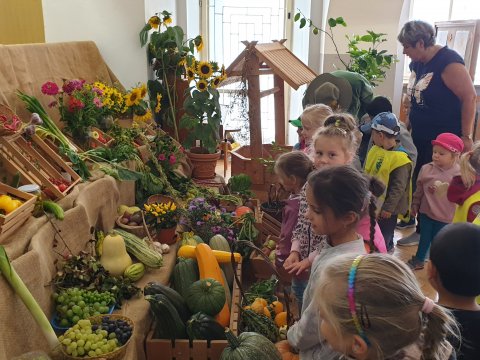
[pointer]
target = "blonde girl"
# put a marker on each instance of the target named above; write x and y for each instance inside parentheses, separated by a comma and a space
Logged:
(371, 307)
(312, 119)
(464, 190)
(337, 196)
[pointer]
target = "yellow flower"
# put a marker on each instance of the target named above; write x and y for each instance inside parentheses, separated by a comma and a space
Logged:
(216, 81)
(173, 207)
(158, 107)
(167, 20)
(147, 207)
(204, 69)
(133, 98)
(190, 74)
(144, 117)
(224, 73)
(202, 85)
(198, 43)
(156, 207)
(143, 90)
(181, 62)
(154, 22)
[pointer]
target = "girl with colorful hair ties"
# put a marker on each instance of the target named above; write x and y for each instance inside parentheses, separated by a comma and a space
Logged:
(371, 307)
(337, 196)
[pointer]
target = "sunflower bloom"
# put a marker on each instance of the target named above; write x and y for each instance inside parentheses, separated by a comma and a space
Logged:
(143, 91)
(133, 98)
(158, 107)
(154, 22)
(204, 69)
(190, 74)
(167, 20)
(144, 117)
(202, 85)
(198, 43)
(216, 81)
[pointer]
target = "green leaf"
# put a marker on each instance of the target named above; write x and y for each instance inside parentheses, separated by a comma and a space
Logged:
(366, 38)
(126, 174)
(340, 21)
(297, 17)
(379, 59)
(332, 22)
(303, 22)
(315, 31)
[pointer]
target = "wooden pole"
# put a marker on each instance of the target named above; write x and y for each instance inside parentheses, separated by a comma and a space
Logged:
(279, 98)
(253, 92)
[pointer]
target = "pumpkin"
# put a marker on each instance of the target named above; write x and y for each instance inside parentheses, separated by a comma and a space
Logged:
(115, 258)
(257, 306)
(241, 210)
(285, 350)
(249, 345)
(262, 301)
(266, 312)
(281, 319)
(207, 296)
(277, 307)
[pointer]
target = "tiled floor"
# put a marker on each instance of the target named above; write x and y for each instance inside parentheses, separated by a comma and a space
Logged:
(403, 253)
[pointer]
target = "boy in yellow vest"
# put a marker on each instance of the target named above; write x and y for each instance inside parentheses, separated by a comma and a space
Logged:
(388, 161)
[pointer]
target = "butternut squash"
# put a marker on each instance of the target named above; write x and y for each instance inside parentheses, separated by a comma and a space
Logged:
(115, 258)
(209, 268)
(222, 257)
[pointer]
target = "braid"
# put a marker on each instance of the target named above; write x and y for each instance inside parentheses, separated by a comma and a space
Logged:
(372, 209)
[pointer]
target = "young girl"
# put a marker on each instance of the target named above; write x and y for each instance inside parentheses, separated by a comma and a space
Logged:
(292, 170)
(429, 201)
(312, 119)
(464, 190)
(371, 307)
(337, 196)
(334, 144)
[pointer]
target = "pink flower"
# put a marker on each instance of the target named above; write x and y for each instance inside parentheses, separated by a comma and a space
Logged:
(161, 157)
(97, 102)
(172, 159)
(50, 88)
(70, 86)
(53, 104)
(98, 91)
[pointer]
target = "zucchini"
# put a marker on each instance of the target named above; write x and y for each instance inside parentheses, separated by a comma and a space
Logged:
(204, 327)
(168, 324)
(175, 298)
(139, 248)
(184, 274)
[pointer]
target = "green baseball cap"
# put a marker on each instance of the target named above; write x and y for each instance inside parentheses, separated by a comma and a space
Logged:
(296, 122)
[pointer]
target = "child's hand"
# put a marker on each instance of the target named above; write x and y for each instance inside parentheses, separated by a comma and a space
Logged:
(300, 267)
(414, 210)
(432, 188)
(293, 258)
(385, 214)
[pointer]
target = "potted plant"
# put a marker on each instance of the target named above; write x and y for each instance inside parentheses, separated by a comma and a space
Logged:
(203, 116)
(162, 219)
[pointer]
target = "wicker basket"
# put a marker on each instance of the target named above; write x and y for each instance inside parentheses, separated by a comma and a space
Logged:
(135, 230)
(117, 354)
(160, 199)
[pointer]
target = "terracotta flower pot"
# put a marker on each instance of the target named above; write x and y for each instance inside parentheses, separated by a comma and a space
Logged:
(203, 164)
(166, 236)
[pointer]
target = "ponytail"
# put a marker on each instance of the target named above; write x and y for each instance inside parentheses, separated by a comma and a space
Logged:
(470, 165)
(376, 188)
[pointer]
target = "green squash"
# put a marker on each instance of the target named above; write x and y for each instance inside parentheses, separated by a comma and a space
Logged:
(204, 327)
(249, 345)
(207, 296)
(184, 274)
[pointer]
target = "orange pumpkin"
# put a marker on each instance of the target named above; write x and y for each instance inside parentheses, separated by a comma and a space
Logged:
(285, 350)
(239, 211)
(281, 319)
(266, 312)
(277, 307)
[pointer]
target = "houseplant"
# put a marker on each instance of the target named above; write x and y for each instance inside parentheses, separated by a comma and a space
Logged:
(162, 219)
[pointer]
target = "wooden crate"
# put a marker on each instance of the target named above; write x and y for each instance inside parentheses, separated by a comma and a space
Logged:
(269, 226)
(163, 349)
(95, 143)
(36, 161)
(12, 221)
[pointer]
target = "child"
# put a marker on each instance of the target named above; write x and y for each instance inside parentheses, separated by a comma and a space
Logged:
(334, 144)
(431, 205)
(336, 197)
(464, 190)
(312, 119)
(292, 170)
(454, 271)
(300, 145)
(388, 161)
(371, 307)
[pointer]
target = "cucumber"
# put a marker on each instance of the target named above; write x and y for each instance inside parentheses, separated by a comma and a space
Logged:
(168, 322)
(53, 208)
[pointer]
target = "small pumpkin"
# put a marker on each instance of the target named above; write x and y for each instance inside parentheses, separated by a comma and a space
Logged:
(249, 345)
(207, 296)
(277, 307)
(285, 350)
(262, 301)
(257, 306)
(241, 210)
(266, 312)
(281, 319)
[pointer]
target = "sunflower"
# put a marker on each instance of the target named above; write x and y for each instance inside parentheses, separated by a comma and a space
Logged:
(167, 20)
(204, 69)
(190, 74)
(144, 117)
(154, 22)
(133, 98)
(198, 41)
(216, 81)
(224, 73)
(182, 62)
(143, 91)
(202, 85)
(158, 107)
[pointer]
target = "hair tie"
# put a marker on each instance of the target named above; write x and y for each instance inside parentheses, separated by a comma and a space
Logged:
(428, 305)
(351, 297)
(338, 126)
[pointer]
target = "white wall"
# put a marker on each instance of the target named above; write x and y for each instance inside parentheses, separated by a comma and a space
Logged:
(112, 24)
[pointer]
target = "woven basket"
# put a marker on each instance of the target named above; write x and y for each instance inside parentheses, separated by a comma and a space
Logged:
(9, 113)
(135, 230)
(160, 199)
(117, 354)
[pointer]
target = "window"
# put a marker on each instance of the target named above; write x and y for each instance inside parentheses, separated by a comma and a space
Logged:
(434, 11)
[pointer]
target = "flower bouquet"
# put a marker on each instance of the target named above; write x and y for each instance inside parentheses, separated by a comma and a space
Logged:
(136, 106)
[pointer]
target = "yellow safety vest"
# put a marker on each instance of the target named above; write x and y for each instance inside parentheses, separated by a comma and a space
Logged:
(380, 163)
(461, 212)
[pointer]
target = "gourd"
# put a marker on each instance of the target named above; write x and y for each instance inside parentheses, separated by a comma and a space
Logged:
(184, 274)
(134, 272)
(114, 255)
(281, 319)
(285, 350)
(249, 345)
(222, 257)
(209, 268)
(174, 297)
(207, 296)
(204, 327)
(139, 248)
(260, 324)
(169, 325)
(218, 242)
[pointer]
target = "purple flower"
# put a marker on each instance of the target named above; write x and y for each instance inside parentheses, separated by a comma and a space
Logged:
(98, 91)
(199, 223)
(70, 86)
(50, 88)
